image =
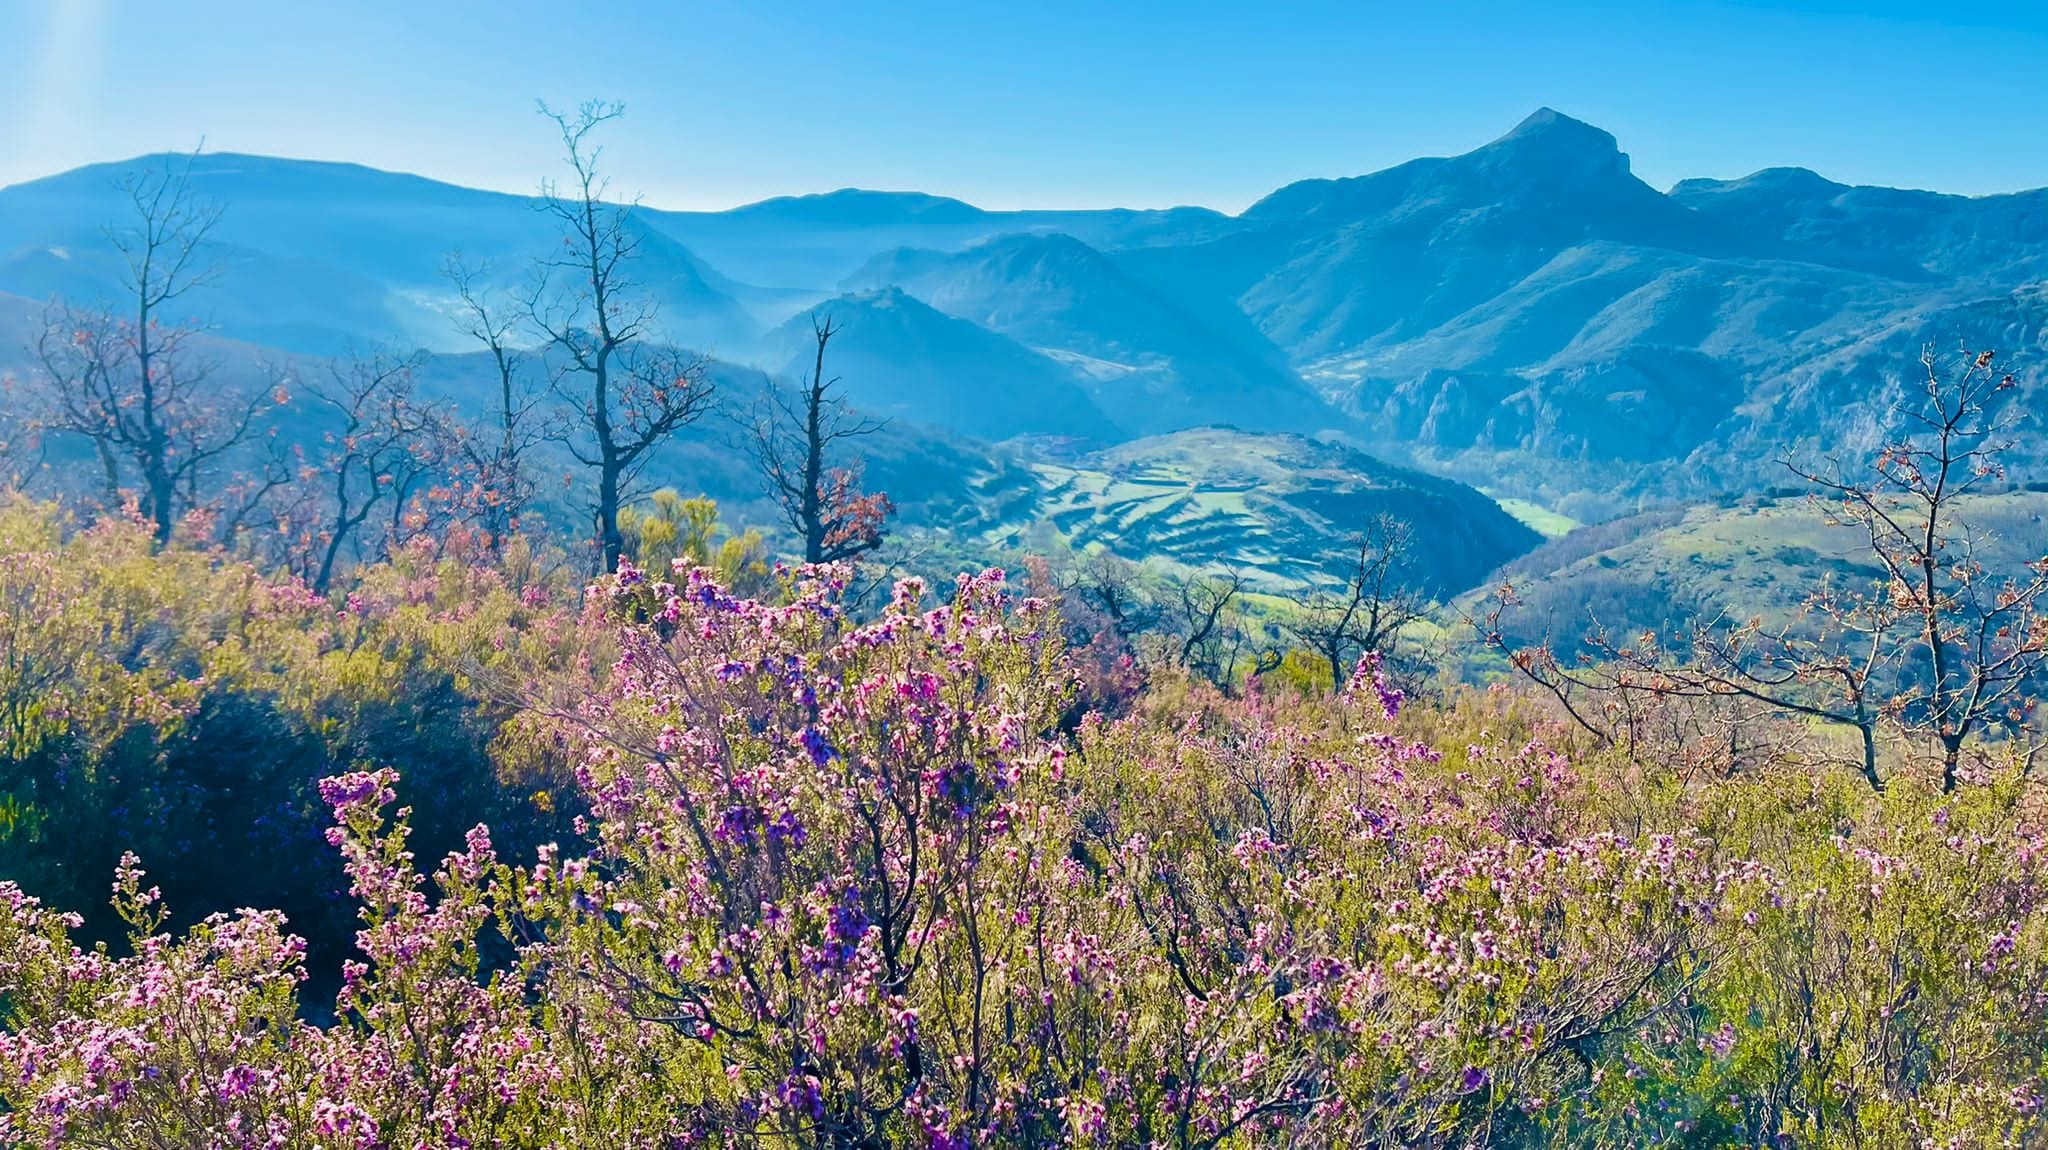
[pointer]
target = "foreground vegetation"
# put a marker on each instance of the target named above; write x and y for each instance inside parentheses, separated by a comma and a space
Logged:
(653, 864)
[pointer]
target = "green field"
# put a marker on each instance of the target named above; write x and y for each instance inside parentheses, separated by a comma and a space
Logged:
(1281, 509)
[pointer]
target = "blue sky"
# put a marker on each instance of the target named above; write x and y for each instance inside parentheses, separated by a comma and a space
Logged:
(1047, 104)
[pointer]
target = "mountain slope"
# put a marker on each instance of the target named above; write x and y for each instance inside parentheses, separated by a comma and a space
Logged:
(1391, 255)
(1528, 316)
(901, 359)
(1280, 508)
(1532, 317)
(1666, 570)
(1890, 230)
(314, 257)
(1151, 365)
(819, 240)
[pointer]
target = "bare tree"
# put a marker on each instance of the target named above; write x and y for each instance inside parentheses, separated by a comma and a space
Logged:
(793, 441)
(1115, 589)
(20, 446)
(1205, 618)
(1727, 688)
(1976, 642)
(251, 495)
(128, 380)
(1368, 611)
(629, 394)
(1937, 648)
(380, 449)
(496, 456)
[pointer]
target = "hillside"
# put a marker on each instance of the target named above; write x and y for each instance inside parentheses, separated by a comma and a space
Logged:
(1150, 364)
(816, 241)
(1277, 506)
(901, 359)
(1280, 508)
(1663, 570)
(1527, 316)
(314, 257)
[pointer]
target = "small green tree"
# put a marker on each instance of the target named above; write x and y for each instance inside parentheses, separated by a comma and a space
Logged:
(666, 529)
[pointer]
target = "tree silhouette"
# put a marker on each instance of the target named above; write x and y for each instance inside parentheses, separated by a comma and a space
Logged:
(496, 456)
(793, 437)
(129, 380)
(1368, 611)
(1938, 649)
(627, 392)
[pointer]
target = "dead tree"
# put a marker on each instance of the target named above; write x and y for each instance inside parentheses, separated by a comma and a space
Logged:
(1725, 684)
(1936, 648)
(1205, 618)
(496, 456)
(20, 444)
(379, 449)
(1115, 589)
(794, 439)
(1974, 642)
(127, 378)
(1366, 613)
(627, 394)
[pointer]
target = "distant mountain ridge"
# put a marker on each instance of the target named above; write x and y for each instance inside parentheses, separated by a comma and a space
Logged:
(1528, 315)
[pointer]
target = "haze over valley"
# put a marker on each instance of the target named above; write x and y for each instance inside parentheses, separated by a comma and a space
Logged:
(1525, 318)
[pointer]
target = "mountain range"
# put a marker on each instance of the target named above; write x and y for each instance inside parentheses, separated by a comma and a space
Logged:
(1528, 316)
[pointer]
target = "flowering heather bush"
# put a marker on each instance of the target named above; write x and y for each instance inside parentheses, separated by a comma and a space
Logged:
(183, 705)
(855, 883)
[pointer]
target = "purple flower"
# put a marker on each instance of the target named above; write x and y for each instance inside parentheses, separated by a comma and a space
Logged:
(845, 925)
(786, 829)
(1370, 677)
(737, 824)
(960, 784)
(814, 742)
(803, 1096)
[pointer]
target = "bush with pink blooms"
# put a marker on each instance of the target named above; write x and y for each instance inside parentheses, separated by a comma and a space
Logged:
(183, 704)
(836, 881)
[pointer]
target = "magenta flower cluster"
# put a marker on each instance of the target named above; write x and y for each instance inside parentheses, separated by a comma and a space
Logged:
(853, 883)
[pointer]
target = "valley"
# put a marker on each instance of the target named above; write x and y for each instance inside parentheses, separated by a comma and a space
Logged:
(1202, 391)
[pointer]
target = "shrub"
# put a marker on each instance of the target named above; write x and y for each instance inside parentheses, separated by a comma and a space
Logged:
(183, 705)
(843, 882)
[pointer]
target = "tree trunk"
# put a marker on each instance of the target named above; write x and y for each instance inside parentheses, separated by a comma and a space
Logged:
(112, 466)
(324, 578)
(610, 538)
(814, 461)
(1870, 758)
(156, 476)
(162, 494)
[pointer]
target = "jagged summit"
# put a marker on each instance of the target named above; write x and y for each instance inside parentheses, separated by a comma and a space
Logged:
(1549, 122)
(1550, 141)
(1548, 153)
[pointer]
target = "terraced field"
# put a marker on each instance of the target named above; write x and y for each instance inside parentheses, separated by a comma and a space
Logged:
(1279, 508)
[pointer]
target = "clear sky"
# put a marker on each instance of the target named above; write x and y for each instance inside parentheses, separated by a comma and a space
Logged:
(1038, 103)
